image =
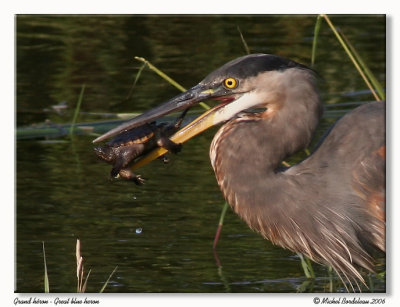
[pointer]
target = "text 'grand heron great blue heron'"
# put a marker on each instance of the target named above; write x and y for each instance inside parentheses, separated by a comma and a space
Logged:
(331, 206)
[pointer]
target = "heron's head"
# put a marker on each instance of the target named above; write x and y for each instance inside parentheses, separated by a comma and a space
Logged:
(257, 81)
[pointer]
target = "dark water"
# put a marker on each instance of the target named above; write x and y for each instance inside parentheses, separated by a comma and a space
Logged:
(160, 235)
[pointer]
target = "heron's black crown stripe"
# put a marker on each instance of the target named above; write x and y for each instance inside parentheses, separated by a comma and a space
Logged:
(251, 65)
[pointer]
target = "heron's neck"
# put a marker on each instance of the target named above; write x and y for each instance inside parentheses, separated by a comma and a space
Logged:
(246, 154)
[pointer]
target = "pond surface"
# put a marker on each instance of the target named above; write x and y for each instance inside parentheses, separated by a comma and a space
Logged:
(159, 235)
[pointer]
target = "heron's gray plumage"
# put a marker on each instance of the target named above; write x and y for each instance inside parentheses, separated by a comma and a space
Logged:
(317, 207)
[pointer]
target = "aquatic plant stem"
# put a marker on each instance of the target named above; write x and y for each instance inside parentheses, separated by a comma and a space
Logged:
(220, 224)
(307, 267)
(310, 268)
(246, 47)
(350, 54)
(136, 80)
(370, 75)
(46, 276)
(315, 40)
(108, 279)
(76, 113)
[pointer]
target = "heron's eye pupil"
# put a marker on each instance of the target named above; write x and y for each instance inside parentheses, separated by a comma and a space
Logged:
(230, 83)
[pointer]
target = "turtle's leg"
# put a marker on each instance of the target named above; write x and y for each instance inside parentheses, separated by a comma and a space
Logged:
(127, 174)
(169, 145)
(179, 120)
(117, 166)
(124, 156)
(163, 139)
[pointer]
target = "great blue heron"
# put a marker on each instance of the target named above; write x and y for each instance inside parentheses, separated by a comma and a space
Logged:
(331, 206)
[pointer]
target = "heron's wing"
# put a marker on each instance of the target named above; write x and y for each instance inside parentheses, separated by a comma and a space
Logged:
(369, 183)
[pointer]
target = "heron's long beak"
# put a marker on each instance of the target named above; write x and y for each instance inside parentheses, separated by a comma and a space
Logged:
(182, 101)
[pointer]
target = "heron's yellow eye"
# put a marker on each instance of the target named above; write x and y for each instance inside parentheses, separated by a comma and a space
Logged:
(230, 83)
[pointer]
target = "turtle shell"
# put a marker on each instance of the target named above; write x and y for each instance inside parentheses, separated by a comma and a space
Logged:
(138, 135)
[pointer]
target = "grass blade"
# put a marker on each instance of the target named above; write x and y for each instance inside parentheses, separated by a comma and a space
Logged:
(46, 277)
(220, 224)
(310, 268)
(83, 289)
(161, 74)
(108, 279)
(135, 81)
(76, 113)
(315, 40)
(351, 56)
(365, 68)
(79, 275)
(246, 47)
(307, 267)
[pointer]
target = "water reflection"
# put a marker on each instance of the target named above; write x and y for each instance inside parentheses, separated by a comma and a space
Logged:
(63, 191)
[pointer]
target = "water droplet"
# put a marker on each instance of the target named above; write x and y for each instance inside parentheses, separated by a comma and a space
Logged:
(139, 230)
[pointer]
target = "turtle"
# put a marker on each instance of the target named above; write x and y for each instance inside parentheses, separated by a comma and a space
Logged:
(124, 149)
